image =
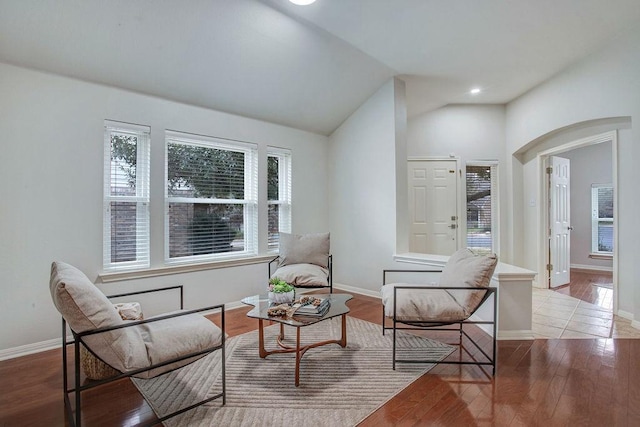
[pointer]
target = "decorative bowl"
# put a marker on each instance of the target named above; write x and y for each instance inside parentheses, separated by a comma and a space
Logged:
(282, 298)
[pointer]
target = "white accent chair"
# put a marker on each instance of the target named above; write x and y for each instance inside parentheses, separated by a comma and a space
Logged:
(143, 349)
(462, 288)
(304, 261)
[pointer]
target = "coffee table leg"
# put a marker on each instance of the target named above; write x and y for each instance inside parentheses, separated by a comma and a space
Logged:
(263, 353)
(298, 357)
(343, 339)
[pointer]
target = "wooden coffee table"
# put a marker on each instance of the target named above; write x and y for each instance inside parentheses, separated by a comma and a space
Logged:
(261, 304)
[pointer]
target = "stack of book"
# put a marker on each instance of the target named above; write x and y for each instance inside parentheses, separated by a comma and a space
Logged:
(311, 306)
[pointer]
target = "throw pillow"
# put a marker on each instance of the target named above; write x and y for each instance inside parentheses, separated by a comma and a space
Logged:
(85, 308)
(304, 249)
(466, 269)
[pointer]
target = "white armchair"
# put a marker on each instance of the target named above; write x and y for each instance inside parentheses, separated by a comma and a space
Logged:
(144, 348)
(462, 288)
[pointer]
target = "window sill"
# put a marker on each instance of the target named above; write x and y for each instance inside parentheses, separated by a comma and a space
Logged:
(600, 256)
(116, 276)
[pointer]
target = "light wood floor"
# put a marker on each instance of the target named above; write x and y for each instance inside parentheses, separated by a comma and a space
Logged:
(586, 382)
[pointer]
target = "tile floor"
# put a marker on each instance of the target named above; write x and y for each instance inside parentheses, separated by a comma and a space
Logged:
(556, 315)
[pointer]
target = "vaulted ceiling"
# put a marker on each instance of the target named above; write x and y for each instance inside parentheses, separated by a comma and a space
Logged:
(310, 67)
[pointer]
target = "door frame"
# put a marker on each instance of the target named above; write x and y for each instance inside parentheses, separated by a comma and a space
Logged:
(458, 190)
(543, 206)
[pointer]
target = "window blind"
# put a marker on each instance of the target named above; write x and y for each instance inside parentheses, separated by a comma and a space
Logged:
(211, 198)
(278, 195)
(126, 196)
(481, 185)
(602, 218)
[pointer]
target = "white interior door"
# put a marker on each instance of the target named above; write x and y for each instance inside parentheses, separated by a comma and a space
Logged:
(559, 222)
(433, 206)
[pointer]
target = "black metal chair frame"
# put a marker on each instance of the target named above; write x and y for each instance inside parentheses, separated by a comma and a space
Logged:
(329, 277)
(78, 340)
(490, 293)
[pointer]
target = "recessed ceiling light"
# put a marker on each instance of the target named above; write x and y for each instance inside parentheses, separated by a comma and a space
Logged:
(475, 91)
(302, 2)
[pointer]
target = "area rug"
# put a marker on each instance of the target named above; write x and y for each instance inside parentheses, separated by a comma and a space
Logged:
(338, 386)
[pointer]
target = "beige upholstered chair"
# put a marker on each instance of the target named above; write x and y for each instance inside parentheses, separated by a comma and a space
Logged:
(304, 261)
(463, 287)
(143, 349)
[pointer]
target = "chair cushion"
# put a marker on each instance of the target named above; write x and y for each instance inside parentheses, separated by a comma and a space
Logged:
(303, 275)
(416, 305)
(85, 308)
(467, 269)
(175, 337)
(304, 249)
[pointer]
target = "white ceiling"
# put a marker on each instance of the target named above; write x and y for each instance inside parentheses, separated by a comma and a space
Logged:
(310, 67)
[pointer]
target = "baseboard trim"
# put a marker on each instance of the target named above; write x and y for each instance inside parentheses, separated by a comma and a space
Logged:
(629, 316)
(24, 350)
(38, 347)
(625, 315)
(587, 268)
(56, 343)
(516, 335)
(359, 291)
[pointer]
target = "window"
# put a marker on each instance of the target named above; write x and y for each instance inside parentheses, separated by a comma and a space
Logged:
(278, 194)
(126, 196)
(211, 198)
(602, 218)
(482, 202)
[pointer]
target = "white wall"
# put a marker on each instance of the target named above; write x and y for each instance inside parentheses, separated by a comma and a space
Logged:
(471, 132)
(468, 132)
(589, 165)
(567, 107)
(51, 173)
(362, 177)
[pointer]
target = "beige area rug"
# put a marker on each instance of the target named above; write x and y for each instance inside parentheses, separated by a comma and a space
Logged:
(338, 386)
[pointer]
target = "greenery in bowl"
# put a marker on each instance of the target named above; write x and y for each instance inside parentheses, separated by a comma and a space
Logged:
(279, 286)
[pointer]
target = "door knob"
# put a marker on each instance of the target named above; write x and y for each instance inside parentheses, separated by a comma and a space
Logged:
(452, 226)
(570, 228)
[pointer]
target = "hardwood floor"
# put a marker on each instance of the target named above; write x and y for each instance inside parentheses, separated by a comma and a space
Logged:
(587, 382)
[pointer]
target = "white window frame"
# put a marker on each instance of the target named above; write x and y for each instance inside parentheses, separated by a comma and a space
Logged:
(284, 193)
(250, 201)
(143, 146)
(495, 202)
(595, 219)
